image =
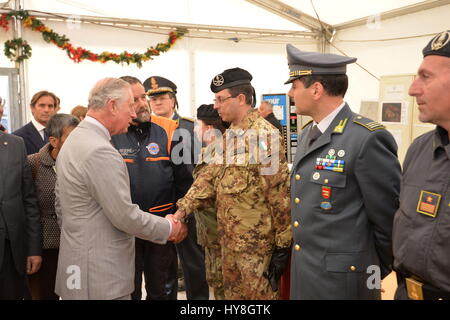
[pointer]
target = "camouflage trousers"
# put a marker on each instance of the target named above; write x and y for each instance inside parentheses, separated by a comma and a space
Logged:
(213, 264)
(243, 276)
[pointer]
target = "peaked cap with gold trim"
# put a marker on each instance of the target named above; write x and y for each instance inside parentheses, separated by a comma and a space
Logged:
(304, 63)
(159, 85)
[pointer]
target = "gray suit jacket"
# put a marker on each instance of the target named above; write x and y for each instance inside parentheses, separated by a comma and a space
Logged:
(98, 220)
(344, 219)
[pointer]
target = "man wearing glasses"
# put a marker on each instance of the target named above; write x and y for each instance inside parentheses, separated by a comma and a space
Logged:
(249, 182)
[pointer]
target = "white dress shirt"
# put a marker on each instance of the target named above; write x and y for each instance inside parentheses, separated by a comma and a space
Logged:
(39, 127)
(325, 123)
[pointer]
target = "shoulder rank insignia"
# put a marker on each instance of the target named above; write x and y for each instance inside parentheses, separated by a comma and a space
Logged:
(307, 124)
(368, 123)
(340, 127)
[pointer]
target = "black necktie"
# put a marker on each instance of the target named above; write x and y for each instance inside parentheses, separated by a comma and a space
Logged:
(45, 135)
(314, 133)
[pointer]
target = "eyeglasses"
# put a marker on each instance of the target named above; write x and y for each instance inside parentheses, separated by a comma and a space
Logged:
(221, 100)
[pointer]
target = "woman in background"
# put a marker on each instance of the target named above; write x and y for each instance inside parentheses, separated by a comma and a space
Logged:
(42, 283)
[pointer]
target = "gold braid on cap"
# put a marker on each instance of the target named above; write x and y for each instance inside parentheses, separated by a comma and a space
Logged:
(300, 73)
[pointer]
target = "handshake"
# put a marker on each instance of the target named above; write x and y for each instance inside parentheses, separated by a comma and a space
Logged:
(179, 227)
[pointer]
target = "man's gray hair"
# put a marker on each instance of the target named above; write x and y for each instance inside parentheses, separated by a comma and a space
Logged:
(108, 89)
(59, 122)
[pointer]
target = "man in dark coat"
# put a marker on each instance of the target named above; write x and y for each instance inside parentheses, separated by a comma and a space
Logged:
(44, 105)
(20, 228)
(344, 187)
(266, 111)
(163, 102)
(421, 237)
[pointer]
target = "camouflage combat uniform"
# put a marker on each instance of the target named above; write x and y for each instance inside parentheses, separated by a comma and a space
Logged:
(253, 209)
(207, 236)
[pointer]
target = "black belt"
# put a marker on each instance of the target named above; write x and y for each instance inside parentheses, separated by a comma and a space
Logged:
(417, 289)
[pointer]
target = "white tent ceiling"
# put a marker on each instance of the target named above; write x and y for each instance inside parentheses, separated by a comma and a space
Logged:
(234, 13)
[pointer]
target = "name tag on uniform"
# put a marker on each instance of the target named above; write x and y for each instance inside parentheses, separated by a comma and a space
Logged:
(428, 203)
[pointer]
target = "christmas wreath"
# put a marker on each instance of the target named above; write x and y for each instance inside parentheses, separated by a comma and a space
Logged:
(17, 50)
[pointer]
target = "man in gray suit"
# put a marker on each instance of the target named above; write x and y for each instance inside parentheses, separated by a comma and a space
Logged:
(98, 219)
(344, 187)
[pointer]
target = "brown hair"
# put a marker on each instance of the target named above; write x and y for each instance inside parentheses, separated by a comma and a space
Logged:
(44, 93)
(79, 111)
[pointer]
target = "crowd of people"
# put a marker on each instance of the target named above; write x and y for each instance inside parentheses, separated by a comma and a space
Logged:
(125, 189)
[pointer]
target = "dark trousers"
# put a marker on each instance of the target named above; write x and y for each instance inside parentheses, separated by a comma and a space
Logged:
(192, 258)
(154, 261)
(11, 281)
(42, 283)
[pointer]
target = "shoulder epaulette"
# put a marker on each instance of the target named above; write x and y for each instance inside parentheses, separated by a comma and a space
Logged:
(368, 123)
(307, 124)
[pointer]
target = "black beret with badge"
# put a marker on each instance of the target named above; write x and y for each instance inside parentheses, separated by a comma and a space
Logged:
(230, 78)
(439, 45)
(207, 112)
(304, 63)
(159, 85)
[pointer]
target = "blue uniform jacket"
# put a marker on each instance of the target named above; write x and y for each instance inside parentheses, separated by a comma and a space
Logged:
(156, 182)
(343, 209)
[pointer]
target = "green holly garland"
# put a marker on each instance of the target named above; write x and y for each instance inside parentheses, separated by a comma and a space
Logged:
(77, 54)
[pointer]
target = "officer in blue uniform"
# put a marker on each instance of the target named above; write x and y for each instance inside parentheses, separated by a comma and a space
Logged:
(421, 235)
(163, 102)
(344, 187)
(156, 183)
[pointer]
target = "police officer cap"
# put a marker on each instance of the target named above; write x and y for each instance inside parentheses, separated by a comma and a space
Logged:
(159, 85)
(230, 78)
(304, 63)
(439, 45)
(207, 112)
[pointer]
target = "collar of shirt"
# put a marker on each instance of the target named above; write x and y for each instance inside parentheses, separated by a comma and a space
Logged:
(325, 123)
(39, 127)
(98, 124)
(441, 140)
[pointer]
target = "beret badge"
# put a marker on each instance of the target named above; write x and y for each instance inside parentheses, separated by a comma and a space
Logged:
(218, 80)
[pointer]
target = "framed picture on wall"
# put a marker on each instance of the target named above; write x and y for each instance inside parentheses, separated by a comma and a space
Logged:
(391, 112)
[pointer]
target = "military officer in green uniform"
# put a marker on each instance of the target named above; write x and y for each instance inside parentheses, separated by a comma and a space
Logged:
(163, 102)
(421, 235)
(344, 186)
(249, 181)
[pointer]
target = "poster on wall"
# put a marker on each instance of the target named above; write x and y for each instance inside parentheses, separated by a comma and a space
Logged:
(279, 103)
(394, 112)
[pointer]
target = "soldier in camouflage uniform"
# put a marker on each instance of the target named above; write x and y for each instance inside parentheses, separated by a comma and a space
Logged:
(248, 177)
(209, 127)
